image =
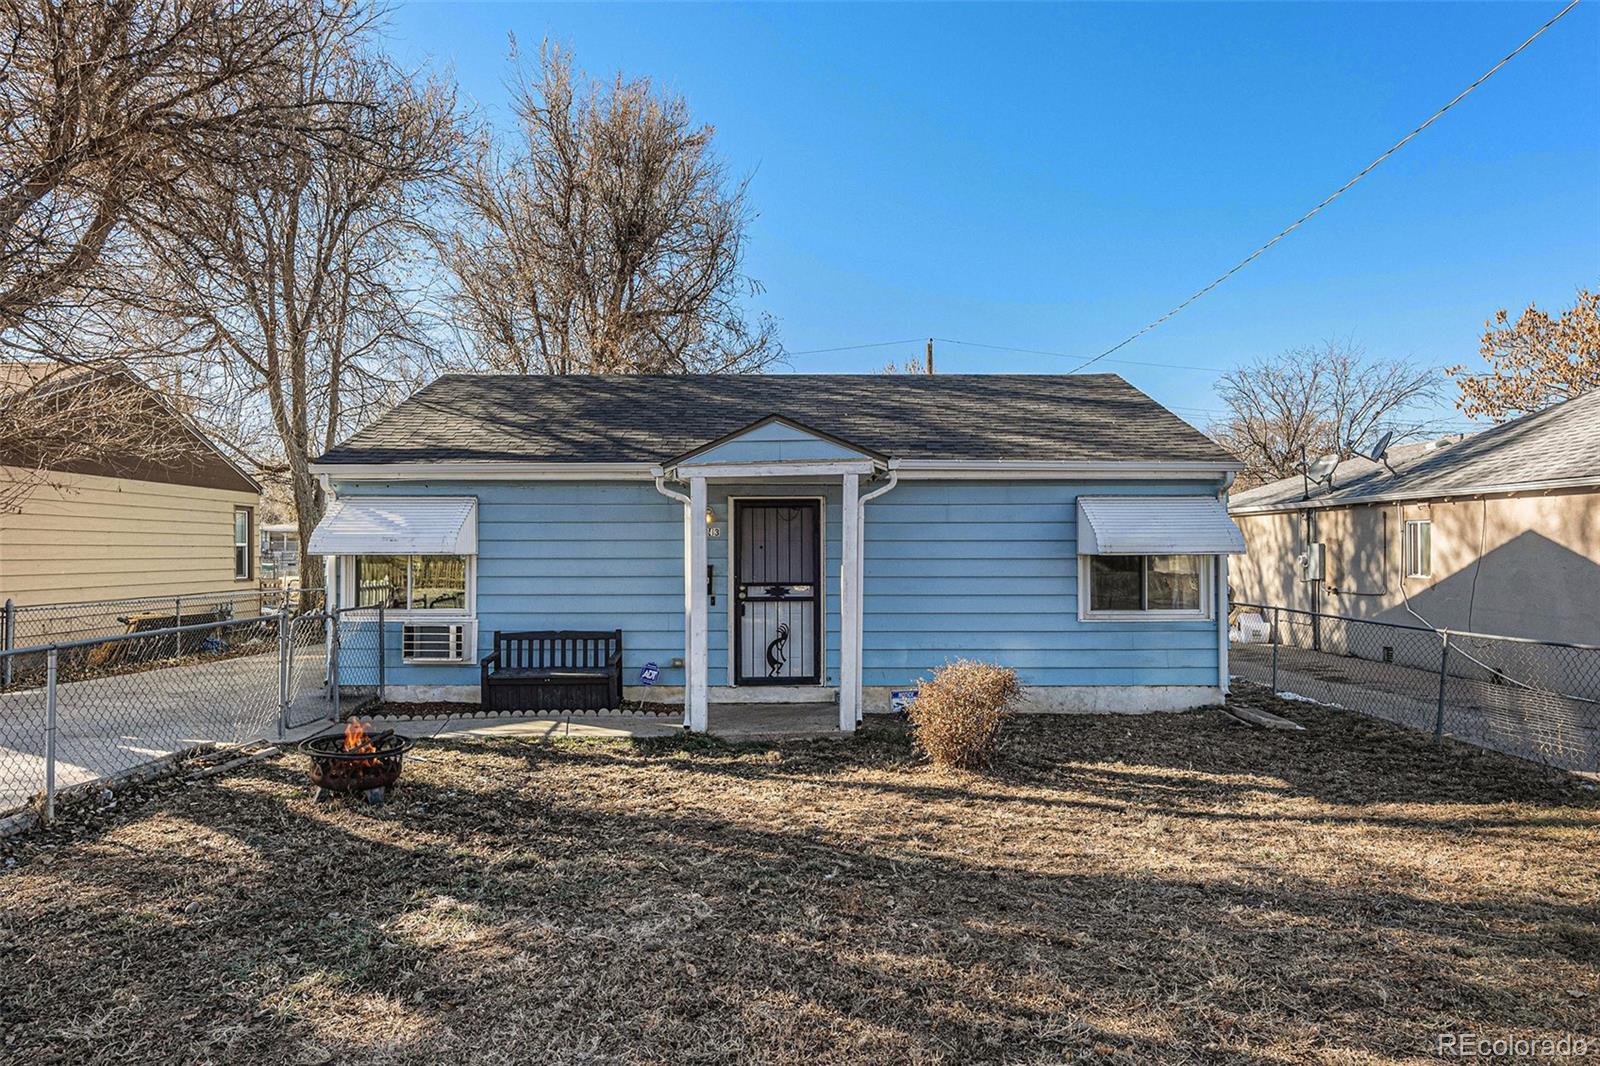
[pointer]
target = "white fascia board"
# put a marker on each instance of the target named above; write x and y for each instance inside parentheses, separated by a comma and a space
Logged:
(989, 470)
(484, 471)
(763, 471)
(913, 469)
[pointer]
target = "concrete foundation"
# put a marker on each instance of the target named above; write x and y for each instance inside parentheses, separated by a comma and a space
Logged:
(470, 694)
(1087, 699)
(1064, 699)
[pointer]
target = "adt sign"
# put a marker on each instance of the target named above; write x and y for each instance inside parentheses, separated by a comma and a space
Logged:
(649, 674)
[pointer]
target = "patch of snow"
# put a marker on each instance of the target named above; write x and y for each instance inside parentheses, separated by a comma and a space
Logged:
(1295, 697)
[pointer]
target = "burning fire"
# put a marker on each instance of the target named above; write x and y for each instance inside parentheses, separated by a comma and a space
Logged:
(356, 737)
(360, 740)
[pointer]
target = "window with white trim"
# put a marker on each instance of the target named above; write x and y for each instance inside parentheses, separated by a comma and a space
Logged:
(1144, 586)
(1419, 548)
(241, 544)
(413, 582)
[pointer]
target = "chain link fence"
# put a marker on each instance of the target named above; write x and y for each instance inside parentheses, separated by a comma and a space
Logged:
(357, 658)
(91, 710)
(39, 625)
(1539, 700)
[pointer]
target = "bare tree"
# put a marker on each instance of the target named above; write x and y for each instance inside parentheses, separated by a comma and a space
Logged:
(105, 107)
(299, 288)
(1535, 361)
(611, 241)
(56, 421)
(1316, 401)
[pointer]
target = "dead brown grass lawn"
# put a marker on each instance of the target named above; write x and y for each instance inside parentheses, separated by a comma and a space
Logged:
(1171, 888)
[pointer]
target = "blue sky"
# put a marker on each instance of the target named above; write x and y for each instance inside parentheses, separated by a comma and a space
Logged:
(1054, 177)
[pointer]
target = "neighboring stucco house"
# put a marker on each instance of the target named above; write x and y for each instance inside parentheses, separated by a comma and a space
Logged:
(781, 537)
(1498, 532)
(118, 526)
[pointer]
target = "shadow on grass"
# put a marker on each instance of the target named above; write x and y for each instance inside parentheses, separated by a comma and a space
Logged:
(584, 900)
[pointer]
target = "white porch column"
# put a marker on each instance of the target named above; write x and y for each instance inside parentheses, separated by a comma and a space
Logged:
(1222, 623)
(694, 564)
(861, 604)
(850, 607)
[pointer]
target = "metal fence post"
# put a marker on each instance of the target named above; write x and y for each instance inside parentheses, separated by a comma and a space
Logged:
(50, 735)
(1275, 639)
(380, 653)
(285, 651)
(1438, 713)
(333, 663)
(8, 636)
(177, 620)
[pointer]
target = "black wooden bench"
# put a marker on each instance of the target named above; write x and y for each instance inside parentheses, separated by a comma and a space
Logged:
(560, 670)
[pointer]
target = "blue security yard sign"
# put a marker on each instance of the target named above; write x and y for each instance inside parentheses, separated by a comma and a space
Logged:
(649, 674)
(901, 699)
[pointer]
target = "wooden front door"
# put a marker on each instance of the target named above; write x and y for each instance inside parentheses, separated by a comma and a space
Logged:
(777, 575)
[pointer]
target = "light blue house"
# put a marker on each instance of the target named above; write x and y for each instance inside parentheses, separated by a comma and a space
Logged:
(795, 537)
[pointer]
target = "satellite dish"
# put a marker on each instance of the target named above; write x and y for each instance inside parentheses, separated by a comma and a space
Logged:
(1381, 449)
(1322, 468)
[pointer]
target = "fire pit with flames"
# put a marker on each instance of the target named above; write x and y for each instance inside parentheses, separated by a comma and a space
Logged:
(356, 761)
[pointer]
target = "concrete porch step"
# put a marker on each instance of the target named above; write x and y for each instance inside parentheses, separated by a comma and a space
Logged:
(772, 694)
(746, 721)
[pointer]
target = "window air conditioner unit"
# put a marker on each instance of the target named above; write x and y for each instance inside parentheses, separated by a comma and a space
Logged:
(1310, 563)
(435, 642)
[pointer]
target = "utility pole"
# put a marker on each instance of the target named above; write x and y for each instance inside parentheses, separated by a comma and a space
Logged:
(930, 355)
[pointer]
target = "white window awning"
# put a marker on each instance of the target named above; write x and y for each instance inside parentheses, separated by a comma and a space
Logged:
(1156, 525)
(398, 525)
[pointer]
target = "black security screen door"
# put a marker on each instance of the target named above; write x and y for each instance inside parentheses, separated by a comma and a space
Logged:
(777, 575)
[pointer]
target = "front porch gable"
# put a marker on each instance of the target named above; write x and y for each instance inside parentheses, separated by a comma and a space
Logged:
(773, 451)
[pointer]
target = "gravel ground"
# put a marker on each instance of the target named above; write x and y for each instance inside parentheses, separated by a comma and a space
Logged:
(1174, 888)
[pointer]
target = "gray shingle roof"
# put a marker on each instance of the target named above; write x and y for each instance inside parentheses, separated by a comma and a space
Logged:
(614, 418)
(1559, 444)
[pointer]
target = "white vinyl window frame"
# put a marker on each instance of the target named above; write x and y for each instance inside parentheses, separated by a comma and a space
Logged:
(347, 595)
(243, 543)
(1419, 548)
(1205, 612)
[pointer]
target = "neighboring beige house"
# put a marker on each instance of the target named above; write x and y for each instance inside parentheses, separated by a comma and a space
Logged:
(1498, 532)
(114, 527)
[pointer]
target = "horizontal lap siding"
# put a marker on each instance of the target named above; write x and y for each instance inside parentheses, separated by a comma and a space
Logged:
(568, 555)
(89, 538)
(985, 570)
(772, 443)
(988, 570)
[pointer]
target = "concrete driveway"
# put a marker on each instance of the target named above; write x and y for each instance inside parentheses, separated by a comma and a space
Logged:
(1545, 727)
(107, 724)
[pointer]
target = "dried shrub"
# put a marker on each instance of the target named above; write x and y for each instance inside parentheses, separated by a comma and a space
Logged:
(957, 713)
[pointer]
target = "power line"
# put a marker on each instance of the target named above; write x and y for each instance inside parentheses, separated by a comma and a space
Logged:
(1369, 168)
(855, 347)
(1001, 348)
(1069, 355)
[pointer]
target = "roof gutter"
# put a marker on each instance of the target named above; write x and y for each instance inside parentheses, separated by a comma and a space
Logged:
(485, 470)
(1173, 469)
(1526, 488)
(909, 469)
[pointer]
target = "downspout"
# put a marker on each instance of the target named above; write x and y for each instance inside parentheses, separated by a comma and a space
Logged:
(1222, 599)
(688, 591)
(661, 487)
(861, 572)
